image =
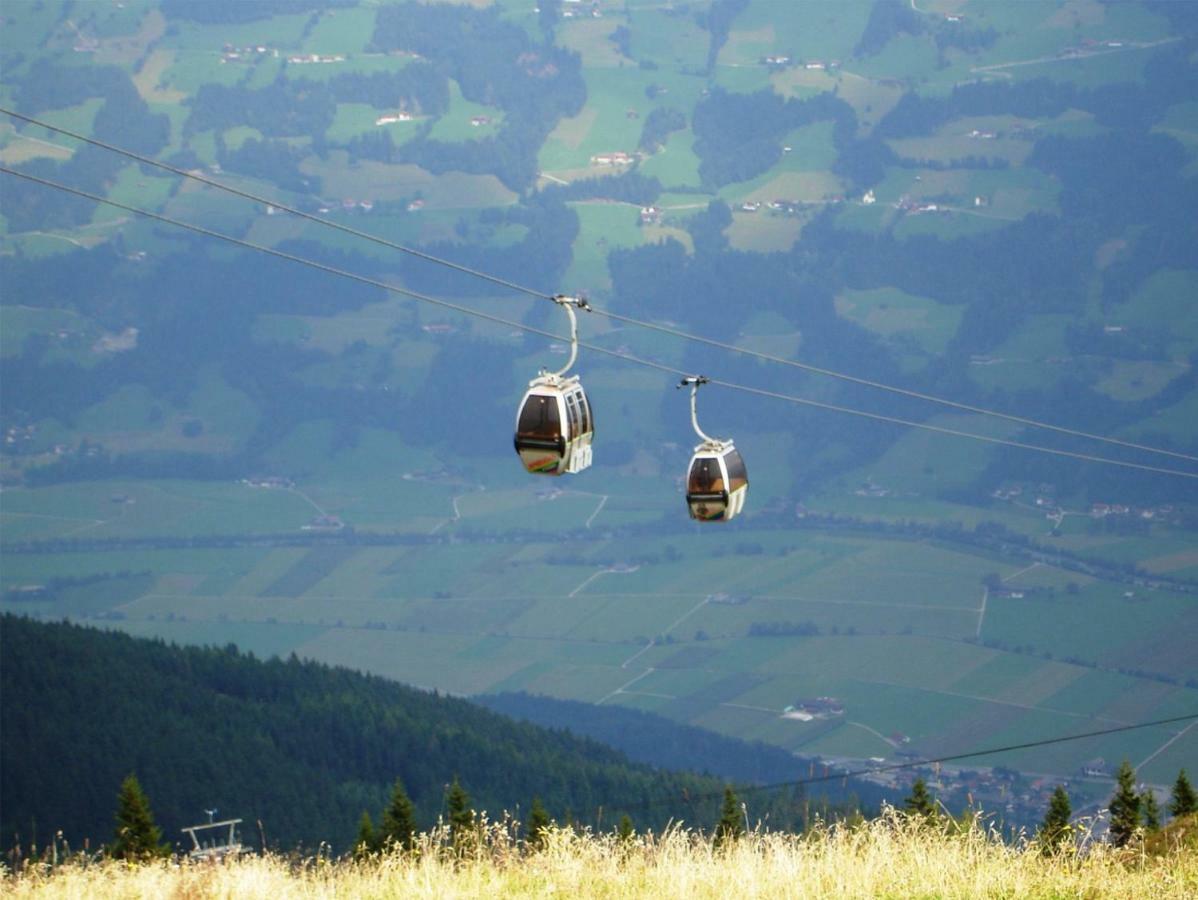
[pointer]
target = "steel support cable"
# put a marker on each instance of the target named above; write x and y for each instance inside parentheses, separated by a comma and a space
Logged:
(246, 195)
(920, 763)
(628, 320)
(332, 270)
(881, 386)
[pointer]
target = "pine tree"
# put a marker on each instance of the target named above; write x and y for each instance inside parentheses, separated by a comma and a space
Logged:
(366, 841)
(920, 801)
(399, 820)
(461, 816)
(624, 830)
(1124, 806)
(538, 825)
(1055, 828)
(1152, 811)
(731, 825)
(1183, 802)
(137, 837)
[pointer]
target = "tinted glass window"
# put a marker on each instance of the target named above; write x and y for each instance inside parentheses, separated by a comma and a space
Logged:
(539, 417)
(572, 415)
(737, 476)
(585, 407)
(705, 476)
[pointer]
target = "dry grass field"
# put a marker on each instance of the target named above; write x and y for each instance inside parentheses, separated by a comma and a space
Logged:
(890, 857)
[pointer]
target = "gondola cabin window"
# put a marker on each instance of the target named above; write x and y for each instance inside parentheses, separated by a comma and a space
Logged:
(705, 477)
(737, 476)
(540, 418)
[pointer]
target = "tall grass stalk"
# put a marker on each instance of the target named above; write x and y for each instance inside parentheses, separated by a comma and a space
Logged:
(893, 856)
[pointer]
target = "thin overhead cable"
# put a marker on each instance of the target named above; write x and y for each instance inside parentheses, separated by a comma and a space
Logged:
(332, 270)
(878, 385)
(628, 320)
(246, 195)
(920, 763)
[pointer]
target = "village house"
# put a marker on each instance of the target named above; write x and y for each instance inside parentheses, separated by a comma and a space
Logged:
(616, 158)
(392, 118)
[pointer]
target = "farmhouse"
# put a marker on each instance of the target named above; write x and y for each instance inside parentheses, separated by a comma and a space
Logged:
(616, 158)
(391, 119)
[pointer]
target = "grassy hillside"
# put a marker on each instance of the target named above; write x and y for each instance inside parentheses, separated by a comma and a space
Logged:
(890, 857)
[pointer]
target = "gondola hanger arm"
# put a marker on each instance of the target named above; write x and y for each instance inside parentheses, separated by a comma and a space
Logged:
(569, 304)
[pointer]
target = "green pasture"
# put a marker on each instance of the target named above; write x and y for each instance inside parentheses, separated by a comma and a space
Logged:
(354, 119)
(235, 137)
(669, 37)
(1113, 66)
(372, 324)
(455, 123)
(675, 164)
(1181, 121)
(963, 138)
(60, 325)
(1034, 354)
(869, 219)
(1176, 420)
(603, 227)
(178, 116)
(902, 318)
(1132, 381)
(831, 616)
(78, 118)
(770, 333)
(923, 463)
(357, 63)
(1165, 305)
(16, 148)
(1081, 625)
(746, 47)
(1073, 123)
(904, 56)
(192, 68)
(281, 31)
(742, 79)
(385, 181)
(134, 188)
(823, 31)
(604, 125)
(33, 25)
(591, 39)
(149, 81)
(131, 509)
(340, 32)
(192, 565)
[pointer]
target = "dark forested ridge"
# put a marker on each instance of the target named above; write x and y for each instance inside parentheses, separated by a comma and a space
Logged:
(299, 745)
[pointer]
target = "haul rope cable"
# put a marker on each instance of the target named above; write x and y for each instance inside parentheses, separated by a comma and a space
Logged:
(894, 420)
(653, 326)
(914, 764)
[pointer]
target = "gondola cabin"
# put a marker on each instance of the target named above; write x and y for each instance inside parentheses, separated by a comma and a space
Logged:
(716, 482)
(554, 427)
